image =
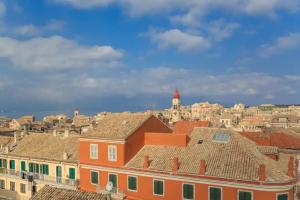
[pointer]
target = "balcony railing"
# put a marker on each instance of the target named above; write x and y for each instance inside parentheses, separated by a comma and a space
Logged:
(39, 177)
(115, 193)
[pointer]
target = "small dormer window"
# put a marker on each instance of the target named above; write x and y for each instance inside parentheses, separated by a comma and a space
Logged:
(221, 137)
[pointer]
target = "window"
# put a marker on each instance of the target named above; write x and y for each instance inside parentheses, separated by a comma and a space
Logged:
(34, 167)
(188, 191)
(214, 193)
(282, 196)
(221, 137)
(244, 195)
(158, 187)
(93, 151)
(112, 153)
(12, 186)
(94, 177)
(12, 164)
(3, 163)
(72, 173)
(2, 184)
(22, 188)
(114, 179)
(132, 183)
(23, 166)
(44, 169)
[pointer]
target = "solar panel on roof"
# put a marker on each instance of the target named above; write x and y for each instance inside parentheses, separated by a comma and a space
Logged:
(221, 137)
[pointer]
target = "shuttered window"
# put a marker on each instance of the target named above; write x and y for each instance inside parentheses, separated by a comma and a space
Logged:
(3, 163)
(113, 178)
(282, 197)
(12, 164)
(23, 166)
(158, 187)
(44, 169)
(94, 177)
(188, 191)
(214, 193)
(132, 183)
(72, 173)
(244, 195)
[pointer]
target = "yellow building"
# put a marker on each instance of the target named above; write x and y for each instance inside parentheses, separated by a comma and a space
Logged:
(38, 160)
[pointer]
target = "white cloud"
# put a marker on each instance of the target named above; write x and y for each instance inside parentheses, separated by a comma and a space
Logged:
(219, 30)
(2, 8)
(33, 30)
(178, 39)
(85, 4)
(281, 44)
(56, 52)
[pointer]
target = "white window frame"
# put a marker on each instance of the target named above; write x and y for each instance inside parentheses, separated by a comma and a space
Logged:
(110, 158)
(117, 185)
(94, 151)
(91, 177)
(137, 183)
(160, 195)
(245, 191)
(215, 187)
(277, 194)
(194, 190)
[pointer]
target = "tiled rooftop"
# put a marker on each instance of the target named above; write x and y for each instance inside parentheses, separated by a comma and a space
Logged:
(53, 193)
(237, 159)
(48, 147)
(118, 125)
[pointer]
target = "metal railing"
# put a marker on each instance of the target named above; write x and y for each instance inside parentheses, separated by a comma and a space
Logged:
(115, 193)
(39, 177)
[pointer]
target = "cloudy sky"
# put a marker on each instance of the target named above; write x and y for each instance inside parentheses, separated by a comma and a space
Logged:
(115, 55)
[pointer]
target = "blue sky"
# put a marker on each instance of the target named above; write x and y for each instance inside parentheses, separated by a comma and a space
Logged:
(117, 55)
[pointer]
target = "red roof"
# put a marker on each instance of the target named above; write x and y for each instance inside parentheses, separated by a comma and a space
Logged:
(186, 127)
(176, 94)
(277, 139)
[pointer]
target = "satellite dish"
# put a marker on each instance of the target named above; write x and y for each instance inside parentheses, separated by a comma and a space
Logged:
(109, 186)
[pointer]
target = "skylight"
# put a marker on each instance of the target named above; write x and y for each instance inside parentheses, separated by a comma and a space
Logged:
(221, 137)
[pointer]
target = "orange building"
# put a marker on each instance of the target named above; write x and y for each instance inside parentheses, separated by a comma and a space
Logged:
(141, 158)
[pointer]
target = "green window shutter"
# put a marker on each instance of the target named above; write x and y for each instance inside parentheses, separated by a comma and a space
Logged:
(12, 164)
(58, 171)
(94, 176)
(36, 168)
(132, 183)
(30, 167)
(188, 191)
(42, 169)
(243, 195)
(72, 173)
(113, 179)
(4, 163)
(47, 170)
(215, 194)
(158, 187)
(23, 166)
(282, 197)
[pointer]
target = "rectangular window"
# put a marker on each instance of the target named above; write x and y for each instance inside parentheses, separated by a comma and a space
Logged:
(132, 183)
(282, 197)
(244, 195)
(214, 193)
(3, 163)
(12, 186)
(72, 173)
(44, 169)
(23, 166)
(93, 151)
(22, 188)
(158, 187)
(112, 153)
(114, 179)
(12, 164)
(188, 191)
(2, 184)
(94, 177)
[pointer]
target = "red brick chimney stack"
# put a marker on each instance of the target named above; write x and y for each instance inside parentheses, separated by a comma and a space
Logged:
(291, 167)
(175, 165)
(262, 172)
(146, 162)
(202, 167)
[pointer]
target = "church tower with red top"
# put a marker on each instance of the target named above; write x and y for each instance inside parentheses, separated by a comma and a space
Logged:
(176, 115)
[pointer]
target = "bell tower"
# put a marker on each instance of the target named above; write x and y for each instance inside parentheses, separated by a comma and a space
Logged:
(176, 115)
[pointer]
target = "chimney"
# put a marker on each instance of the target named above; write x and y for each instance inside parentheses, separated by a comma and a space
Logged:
(175, 165)
(54, 132)
(66, 134)
(202, 167)
(291, 167)
(146, 162)
(262, 172)
(65, 156)
(296, 167)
